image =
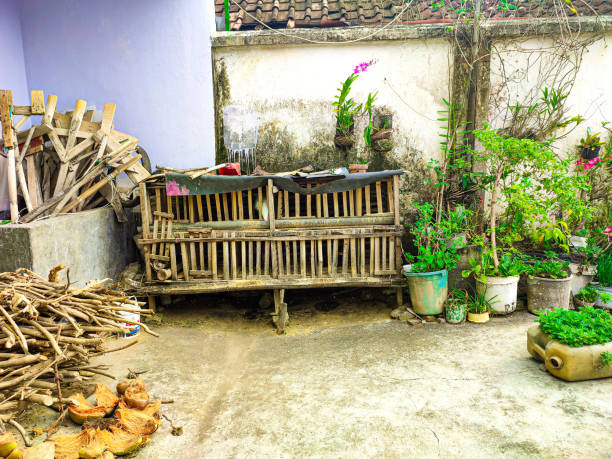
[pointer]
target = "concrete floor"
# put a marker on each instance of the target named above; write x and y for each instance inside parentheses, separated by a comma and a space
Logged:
(352, 383)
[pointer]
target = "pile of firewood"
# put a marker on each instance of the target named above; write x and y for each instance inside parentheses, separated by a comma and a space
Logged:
(67, 162)
(48, 332)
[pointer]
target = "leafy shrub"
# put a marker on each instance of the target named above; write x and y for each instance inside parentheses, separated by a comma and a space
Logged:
(604, 269)
(584, 327)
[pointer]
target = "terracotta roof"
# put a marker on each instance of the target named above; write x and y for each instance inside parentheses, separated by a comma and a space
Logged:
(335, 13)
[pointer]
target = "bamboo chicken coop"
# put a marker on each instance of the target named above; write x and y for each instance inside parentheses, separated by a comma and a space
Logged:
(219, 233)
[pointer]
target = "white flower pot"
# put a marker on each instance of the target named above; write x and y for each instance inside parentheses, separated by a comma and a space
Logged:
(506, 290)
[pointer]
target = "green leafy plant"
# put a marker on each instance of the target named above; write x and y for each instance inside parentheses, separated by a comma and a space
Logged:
(591, 141)
(590, 293)
(436, 242)
(346, 109)
(584, 327)
(510, 264)
(457, 298)
(550, 268)
(479, 303)
(604, 269)
(606, 359)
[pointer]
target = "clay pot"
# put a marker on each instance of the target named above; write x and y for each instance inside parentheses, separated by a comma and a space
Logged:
(358, 168)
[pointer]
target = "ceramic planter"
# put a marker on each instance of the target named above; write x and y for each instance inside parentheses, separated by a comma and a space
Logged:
(582, 275)
(428, 291)
(502, 289)
(546, 294)
(600, 303)
(455, 311)
(476, 318)
(565, 362)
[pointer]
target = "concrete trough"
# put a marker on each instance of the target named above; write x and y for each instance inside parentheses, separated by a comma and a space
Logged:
(92, 243)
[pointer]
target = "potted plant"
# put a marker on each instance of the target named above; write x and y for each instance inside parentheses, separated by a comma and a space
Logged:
(548, 285)
(456, 306)
(584, 262)
(346, 110)
(436, 253)
(498, 284)
(604, 277)
(590, 145)
(360, 167)
(588, 296)
(575, 345)
(478, 308)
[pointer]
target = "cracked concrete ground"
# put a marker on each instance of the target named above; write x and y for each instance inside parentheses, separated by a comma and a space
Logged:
(352, 383)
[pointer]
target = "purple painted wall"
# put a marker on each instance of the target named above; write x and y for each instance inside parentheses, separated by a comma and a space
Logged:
(150, 57)
(13, 74)
(12, 70)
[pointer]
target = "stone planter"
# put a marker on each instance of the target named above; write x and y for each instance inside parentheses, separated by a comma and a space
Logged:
(503, 290)
(565, 362)
(544, 294)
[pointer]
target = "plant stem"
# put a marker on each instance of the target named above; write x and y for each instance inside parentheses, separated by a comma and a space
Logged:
(493, 216)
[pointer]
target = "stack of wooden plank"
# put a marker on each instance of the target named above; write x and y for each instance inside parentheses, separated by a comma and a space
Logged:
(48, 332)
(67, 162)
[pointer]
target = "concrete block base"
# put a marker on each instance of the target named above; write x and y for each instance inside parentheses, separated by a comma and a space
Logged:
(92, 243)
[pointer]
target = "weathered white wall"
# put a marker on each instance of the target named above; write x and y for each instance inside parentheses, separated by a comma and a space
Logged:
(590, 97)
(293, 87)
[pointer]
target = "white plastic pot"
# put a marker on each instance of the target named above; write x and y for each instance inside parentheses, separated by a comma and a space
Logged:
(505, 288)
(582, 275)
(600, 303)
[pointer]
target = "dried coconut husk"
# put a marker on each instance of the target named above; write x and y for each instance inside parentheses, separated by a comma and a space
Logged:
(152, 409)
(84, 411)
(68, 446)
(131, 386)
(106, 398)
(137, 422)
(122, 443)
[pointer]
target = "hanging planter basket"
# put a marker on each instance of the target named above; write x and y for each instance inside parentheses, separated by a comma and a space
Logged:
(344, 141)
(590, 153)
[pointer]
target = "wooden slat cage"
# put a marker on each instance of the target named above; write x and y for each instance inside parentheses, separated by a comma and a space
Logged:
(223, 242)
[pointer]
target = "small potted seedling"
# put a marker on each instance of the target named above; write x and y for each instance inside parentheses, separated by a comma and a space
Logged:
(589, 295)
(479, 306)
(456, 306)
(360, 167)
(590, 145)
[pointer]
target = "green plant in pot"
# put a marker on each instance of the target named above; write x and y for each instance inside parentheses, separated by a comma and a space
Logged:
(456, 306)
(347, 110)
(479, 306)
(575, 345)
(589, 295)
(549, 284)
(513, 166)
(436, 252)
(498, 284)
(590, 145)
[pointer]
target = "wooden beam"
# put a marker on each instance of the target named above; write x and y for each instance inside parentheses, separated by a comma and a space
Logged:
(37, 101)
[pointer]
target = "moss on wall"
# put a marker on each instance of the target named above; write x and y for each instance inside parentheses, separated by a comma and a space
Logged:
(221, 98)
